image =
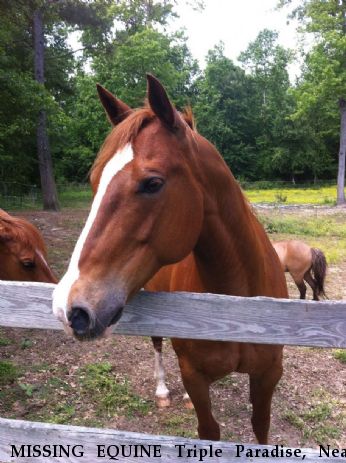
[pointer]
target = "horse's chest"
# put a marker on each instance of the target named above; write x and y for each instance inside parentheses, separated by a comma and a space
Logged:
(216, 359)
(212, 358)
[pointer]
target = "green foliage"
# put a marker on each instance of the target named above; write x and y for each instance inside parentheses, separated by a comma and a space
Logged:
(139, 14)
(223, 112)
(8, 372)
(167, 57)
(19, 96)
(263, 126)
(122, 70)
(323, 82)
(279, 141)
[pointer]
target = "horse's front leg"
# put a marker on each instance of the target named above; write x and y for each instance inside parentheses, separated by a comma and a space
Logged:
(197, 387)
(162, 393)
(261, 392)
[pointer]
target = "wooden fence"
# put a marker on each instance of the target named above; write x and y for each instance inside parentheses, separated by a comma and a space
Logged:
(186, 315)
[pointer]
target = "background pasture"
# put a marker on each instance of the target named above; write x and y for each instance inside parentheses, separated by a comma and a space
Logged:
(46, 376)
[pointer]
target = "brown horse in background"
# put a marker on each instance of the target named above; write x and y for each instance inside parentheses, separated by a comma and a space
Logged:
(303, 263)
(164, 195)
(22, 251)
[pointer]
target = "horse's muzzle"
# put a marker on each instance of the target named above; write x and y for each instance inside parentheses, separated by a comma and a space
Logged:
(87, 325)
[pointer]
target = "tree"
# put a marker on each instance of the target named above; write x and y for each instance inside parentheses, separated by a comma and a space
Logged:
(49, 192)
(19, 96)
(223, 111)
(324, 78)
(119, 58)
(165, 56)
(33, 31)
(122, 72)
(266, 62)
(119, 44)
(73, 13)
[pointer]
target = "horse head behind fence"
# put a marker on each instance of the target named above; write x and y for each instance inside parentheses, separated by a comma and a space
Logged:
(22, 251)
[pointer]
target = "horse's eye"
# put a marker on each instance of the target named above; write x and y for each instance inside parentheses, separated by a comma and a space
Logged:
(28, 263)
(151, 185)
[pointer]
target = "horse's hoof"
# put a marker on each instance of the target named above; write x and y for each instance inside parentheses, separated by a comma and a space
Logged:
(163, 402)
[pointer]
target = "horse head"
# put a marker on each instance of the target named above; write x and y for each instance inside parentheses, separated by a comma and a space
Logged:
(22, 251)
(147, 211)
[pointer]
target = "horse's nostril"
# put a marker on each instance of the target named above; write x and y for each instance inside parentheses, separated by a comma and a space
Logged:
(80, 320)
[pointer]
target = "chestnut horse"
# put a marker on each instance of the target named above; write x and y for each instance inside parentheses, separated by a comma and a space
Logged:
(164, 195)
(297, 258)
(303, 263)
(22, 251)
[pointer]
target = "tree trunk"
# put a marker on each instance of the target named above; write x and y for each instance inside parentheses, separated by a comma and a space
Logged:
(341, 168)
(49, 193)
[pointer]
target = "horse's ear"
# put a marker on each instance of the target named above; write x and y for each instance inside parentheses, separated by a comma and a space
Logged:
(116, 109)
(160, 103)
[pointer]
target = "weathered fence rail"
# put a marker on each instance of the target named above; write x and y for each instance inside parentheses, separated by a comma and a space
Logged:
(196, 316)
(94, 442)
(185, 315)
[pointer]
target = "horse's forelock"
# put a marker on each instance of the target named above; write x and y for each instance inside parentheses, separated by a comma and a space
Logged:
(121, 134)
(124, 133)
(17, 229)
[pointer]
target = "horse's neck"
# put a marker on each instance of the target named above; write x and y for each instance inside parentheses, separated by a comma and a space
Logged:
(233, 254)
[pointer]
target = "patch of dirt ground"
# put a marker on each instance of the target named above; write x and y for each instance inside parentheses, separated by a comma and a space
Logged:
(109, 383)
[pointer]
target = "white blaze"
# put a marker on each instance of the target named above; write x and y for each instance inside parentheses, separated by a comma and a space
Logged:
(43, 260)
(62, 290)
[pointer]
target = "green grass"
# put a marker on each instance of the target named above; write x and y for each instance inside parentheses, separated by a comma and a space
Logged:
(72, 196)
(4, 341)
(325, 195)
(325, 232)
(321, 420)
(26, 343)
(28, 389)
(75, 196)
(63, 413)
(333, 226)
(181, 425)
(8, 372)
(315, 422)
(111, 393)
(80, 196)
(227, 381)
(340, 354)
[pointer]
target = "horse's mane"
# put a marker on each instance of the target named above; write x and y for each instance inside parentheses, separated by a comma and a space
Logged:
(124, 133)
(17, 229)
(189, 118)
